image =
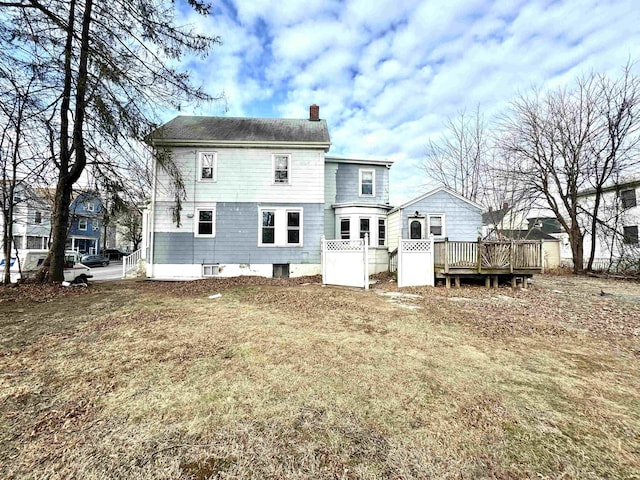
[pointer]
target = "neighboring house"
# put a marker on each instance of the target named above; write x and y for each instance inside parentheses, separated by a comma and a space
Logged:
(618, 225)
(441, 213)
(31, 219)
(85, 223)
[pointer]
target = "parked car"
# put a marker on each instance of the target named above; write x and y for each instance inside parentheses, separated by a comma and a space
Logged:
(114, 253)
(27, 263)
(95, 260)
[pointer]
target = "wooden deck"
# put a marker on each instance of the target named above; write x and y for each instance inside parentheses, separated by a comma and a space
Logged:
(489, 260)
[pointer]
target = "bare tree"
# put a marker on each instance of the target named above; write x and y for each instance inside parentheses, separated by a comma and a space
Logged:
(570, 140)
(459, 158)
(110, 64)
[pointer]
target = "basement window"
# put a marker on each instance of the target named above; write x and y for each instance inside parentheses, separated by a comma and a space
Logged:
(210, 270)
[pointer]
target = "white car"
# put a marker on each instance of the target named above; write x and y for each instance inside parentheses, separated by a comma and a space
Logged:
(27, 263)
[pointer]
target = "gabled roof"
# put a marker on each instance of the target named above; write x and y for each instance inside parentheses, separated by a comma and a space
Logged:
(494, 217)
(618, 186)
(234, 131)
(433, 192)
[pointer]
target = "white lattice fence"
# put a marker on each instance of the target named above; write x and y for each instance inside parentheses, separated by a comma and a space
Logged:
(415, 263)
(345, 262)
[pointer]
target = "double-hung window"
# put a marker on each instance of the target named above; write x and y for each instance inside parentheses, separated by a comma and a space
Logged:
(365, 224)
(367, 182)
(293, 228)
(89, 207)
(436, 225)
(345, 229)
(630, 235)
(268, 231)
(37, 218)
(382, 231)
(82, 224)
(205, 221)
(280, 227)
(628, 198)
(281, 169)
(207, 166)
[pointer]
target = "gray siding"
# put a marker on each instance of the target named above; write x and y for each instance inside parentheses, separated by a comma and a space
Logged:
(463, 222)
(236, 239)
(330, 174)
(347, 184)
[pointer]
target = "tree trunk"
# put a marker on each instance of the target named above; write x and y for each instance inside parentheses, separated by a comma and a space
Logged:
(576, 240)
(60, 230)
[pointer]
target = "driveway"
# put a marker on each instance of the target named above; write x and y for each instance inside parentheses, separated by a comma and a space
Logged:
(111, 272)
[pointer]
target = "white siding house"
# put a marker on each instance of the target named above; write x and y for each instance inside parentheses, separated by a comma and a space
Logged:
(618, 224)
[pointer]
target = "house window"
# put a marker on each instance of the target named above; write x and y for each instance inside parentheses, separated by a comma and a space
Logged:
(281, 168)
(382, 231)
(628, 198)
(293, 228)
(280, 227)
(206, 221)
(89, 206)
(207, 166)
(367, 183)
(268, 227)
(345, 229)
(37, 218)
(630, 235)
(82, 224)
(365, 228)
(415, 229)
(210, 270)
(436, 225)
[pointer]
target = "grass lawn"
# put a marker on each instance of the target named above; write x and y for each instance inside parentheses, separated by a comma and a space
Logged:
(290, 380)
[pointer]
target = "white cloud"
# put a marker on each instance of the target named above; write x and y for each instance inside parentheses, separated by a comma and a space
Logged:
(387, 74)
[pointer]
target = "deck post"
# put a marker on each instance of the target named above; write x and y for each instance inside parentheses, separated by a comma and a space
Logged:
(446, 257)
(514, 281)
(457, 277)
(487, 282)
(447, 281)
(495, 281)
(479, 255)
(512, 256)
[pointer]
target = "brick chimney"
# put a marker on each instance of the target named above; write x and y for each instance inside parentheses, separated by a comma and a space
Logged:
(314, 113)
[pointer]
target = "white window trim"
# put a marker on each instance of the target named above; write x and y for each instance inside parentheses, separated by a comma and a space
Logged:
(196, 221)
(339, 235)
(424, 227)
(384, 219)
(214, 174)
(444, 225)
(366, 217)
(273, 168)
(373, 180)
(89, 207)
(280, 234)
(86, 224)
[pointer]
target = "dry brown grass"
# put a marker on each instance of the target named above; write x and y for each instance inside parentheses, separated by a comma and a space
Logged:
(300, 381)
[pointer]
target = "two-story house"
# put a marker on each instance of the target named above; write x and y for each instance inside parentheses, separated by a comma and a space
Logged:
(86, 212)
(259, 194)
(617, 226)
(31, 219)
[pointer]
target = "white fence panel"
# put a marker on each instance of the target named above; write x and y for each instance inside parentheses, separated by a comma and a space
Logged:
(415, 263)
(345, 262)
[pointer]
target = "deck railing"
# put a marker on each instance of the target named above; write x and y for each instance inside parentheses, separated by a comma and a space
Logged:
(393, 261)
(130, 262)
(488, 255)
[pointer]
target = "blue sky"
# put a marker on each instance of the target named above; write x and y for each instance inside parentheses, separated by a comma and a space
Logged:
(388, 73)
